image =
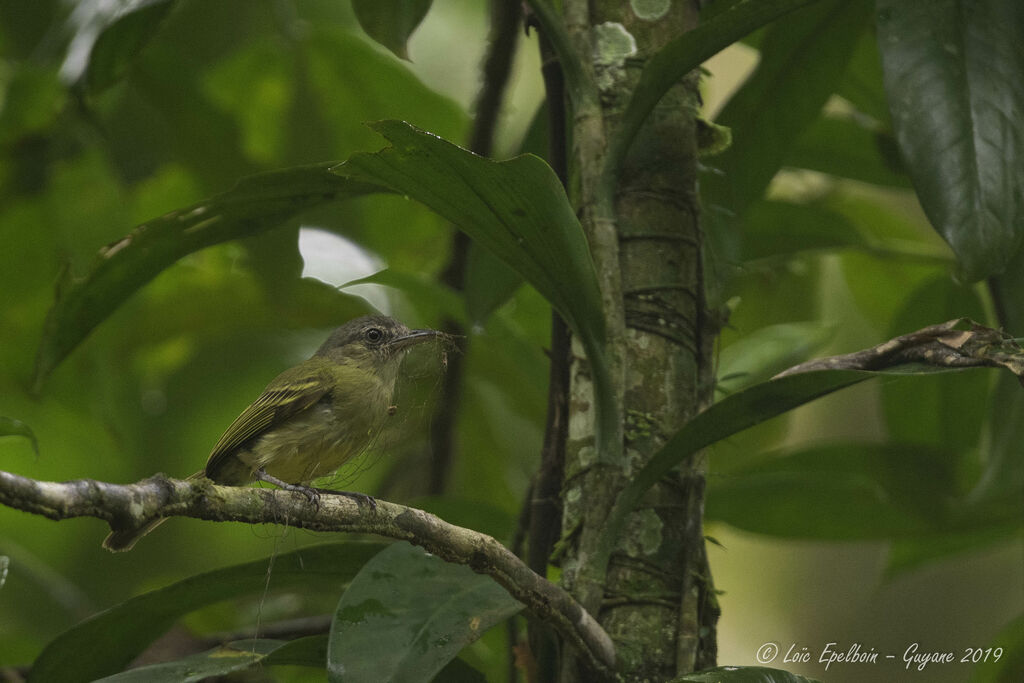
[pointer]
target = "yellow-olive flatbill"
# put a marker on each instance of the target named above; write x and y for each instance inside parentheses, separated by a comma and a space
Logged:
(311, 418)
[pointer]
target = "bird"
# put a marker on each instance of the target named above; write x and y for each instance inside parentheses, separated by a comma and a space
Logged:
(312, 418)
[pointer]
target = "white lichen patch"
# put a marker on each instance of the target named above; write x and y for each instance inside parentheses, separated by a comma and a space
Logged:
(572, 501)
(613, 44)
(581, 424)
(650, 10)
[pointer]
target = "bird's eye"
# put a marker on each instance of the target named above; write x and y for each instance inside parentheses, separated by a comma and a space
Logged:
(374, 335)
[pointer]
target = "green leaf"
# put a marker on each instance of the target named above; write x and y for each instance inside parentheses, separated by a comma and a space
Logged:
(862, 87)
(236, 656)
(849, 491)
(391, 22)
(220, 661)
(407, 614)
(108, 641)
(759, 356)
(685, 53)
(305, 651)
(121, 41)
(10, 426)
(743, 674)
(952, 73)
(776, 228)
(255, 204)
(843, 148)
(489, 283)
(517, 209)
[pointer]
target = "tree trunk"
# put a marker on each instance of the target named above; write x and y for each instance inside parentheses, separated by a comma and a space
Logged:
(656, 599)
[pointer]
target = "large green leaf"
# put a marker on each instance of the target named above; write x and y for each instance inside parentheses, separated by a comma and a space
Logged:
(107, 642)
(255, 204)
(685, 53)
(119, 43)
(953, 71)
(517, 209)
(391, 22)
(407, 614)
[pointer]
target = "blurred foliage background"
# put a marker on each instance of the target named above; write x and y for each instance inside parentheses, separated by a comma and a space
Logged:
(857, 519)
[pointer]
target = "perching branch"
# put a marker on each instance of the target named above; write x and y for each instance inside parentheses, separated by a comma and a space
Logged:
(128, 506)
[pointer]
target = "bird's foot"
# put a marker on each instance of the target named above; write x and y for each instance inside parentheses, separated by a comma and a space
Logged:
(311, 493)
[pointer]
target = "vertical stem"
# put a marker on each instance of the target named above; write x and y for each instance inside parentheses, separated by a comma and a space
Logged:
(645, 237)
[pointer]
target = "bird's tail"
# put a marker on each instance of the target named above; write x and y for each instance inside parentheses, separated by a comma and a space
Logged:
(123, 540)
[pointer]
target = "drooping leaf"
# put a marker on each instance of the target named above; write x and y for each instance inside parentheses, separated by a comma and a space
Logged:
(255, 204)
(391, 22)
(407, 614)
(10, 426)
(743, 674)
(517, 209)
(952, 74)
(489, 283)
(119, 43)
(108, 641)
(685, 53)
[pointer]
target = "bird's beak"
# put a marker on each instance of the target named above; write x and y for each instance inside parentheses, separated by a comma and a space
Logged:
(414, 337)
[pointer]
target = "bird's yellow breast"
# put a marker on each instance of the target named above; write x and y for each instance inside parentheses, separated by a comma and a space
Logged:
(319, 440)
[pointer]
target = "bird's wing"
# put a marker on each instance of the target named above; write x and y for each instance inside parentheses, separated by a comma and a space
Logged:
(290, 393)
